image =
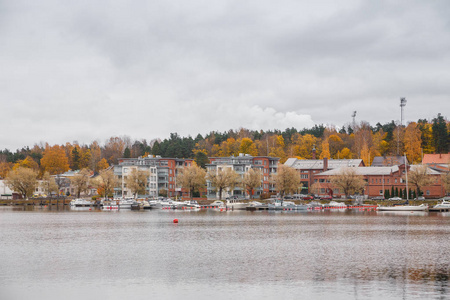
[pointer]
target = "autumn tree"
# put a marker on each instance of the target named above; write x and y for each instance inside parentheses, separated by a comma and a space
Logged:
(287, 180)
(96, 155)
(114, 149)
(55, 160)
(5, 167)
(303, 145)
(48, 184)
(223, 179)
(412, 141)
(105, 182)
(251, 181)
(419, 176)
(325, 150)
(137, 181)
(23, 181)
(192, 178)
(348, 181)
(102, 165)
(28, 162)
(247, 146)
(81, 181)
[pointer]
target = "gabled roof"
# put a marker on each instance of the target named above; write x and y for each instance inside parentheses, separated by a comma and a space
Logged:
(388, 161)
(436, 158)
(317, 164)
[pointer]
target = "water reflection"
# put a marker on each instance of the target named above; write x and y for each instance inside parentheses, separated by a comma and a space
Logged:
(318, 255)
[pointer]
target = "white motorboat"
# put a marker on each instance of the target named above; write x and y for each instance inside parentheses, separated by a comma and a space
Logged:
(191, 204)
(444, 204)
(126, 203)
(235, 204)
(335, 204)
(421, 207)
(79, 202)
(279, 204)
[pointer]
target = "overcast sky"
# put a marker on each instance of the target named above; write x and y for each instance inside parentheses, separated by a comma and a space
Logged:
(88, 70)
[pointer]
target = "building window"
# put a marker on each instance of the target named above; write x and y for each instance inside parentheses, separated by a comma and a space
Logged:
(395, 180)
(304, 176)
(428, 192)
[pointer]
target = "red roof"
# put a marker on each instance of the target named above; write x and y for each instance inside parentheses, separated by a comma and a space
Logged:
(436, 158)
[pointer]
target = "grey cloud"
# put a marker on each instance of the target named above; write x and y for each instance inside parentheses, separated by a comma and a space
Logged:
(148, 68)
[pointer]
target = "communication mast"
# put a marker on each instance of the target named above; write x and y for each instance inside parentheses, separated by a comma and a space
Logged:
(402, 104)
(354, 116)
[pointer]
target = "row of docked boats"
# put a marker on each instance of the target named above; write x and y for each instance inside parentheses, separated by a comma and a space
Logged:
(236, 204)
(444, 205)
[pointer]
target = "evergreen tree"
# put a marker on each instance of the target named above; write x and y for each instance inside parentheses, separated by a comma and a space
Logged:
(75, 159)
(440, 135)
(386, 194)
(201, 159)
(127, 153)
(396, 192)
(400, 193)
(156, 149)
(392, 192)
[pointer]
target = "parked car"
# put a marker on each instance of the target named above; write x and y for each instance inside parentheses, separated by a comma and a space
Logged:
(378, 198)
(420, 198)
(308, 197)
(395, 198)
(326, 197)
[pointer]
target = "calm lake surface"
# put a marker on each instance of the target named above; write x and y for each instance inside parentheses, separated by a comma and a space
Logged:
(82, 254)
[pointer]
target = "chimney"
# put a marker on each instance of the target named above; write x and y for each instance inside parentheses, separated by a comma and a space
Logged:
(314, 152)
(325, 164)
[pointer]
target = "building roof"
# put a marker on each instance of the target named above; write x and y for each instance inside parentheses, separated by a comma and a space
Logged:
(363, 171)
(374, 171)
(317, 164)
(387, 161)
(436, 158)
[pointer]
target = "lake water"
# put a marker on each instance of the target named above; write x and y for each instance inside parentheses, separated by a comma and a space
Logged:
(83, 254)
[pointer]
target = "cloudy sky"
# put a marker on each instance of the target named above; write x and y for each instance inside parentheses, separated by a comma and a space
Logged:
(88, 70)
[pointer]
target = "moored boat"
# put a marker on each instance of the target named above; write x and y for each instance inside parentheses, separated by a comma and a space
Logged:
(235, 204)
(421, 207)
(79, 202)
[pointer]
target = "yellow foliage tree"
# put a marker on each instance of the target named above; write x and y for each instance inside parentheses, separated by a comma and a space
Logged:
(55, 160)
(248, 147)
(28, 162)
(325, 150)
(413, 143)
(345, 153)
(102, 164)
(5, 167)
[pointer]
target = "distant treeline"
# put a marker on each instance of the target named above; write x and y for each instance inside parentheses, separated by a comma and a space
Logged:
(352, 141)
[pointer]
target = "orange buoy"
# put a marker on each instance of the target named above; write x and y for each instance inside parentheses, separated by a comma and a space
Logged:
(175, 220)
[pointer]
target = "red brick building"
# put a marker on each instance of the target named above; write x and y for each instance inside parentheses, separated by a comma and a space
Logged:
(309, 168)
(380, 179)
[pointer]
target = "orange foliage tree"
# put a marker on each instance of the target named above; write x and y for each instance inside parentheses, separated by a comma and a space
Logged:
(55, 160)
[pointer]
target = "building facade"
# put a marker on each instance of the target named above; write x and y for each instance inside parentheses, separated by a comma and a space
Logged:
(241, 164)
(309, 168)
(381, 179)
(162, 173)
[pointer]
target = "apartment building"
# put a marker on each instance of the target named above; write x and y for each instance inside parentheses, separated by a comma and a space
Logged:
(241, 164)
(162, 173)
